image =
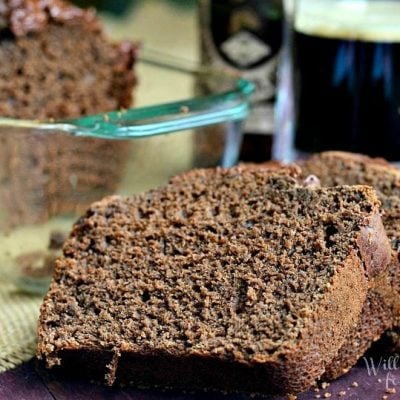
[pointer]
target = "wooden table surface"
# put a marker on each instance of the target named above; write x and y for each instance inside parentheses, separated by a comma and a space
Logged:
(32, 383)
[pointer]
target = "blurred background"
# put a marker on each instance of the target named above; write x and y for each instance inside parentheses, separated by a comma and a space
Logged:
(165, 26)
(243, 37)
(344, 54)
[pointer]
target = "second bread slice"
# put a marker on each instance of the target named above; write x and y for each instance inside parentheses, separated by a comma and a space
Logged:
(382, 307)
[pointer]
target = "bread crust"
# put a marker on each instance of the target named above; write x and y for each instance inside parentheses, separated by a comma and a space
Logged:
(381, 309)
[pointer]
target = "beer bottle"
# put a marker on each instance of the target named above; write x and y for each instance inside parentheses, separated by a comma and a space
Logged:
(245, 36)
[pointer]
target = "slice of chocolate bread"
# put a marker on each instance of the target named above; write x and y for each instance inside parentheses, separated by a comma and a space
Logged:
(382, 308)
(56, 63)
(236, 280)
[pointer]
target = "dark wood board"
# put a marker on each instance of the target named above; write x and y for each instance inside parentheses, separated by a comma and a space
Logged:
(32, 383)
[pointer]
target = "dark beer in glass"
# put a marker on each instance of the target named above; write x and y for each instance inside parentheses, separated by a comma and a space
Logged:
(345, 59)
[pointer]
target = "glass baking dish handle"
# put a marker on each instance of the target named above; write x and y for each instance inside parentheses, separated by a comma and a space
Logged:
(232, 105)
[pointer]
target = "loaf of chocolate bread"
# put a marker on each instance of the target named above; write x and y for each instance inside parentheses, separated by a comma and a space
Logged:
(56, 63)
(382, 307)
(228, 279)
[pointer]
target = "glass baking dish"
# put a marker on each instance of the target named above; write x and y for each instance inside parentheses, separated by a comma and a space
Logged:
(50, 171)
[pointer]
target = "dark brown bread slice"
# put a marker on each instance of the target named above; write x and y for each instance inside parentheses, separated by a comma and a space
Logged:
(56, 63)
(382, 308)
(235, 280)
(62, 66)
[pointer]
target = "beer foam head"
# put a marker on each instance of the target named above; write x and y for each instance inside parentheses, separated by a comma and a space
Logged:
(373, 20)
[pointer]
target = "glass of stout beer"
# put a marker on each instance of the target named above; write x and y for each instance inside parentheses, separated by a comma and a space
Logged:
(340, 79)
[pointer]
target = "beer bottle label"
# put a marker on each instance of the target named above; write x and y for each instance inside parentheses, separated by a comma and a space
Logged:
(245, 36)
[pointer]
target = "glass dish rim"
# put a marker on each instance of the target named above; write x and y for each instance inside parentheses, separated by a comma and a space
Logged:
(232, 105)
